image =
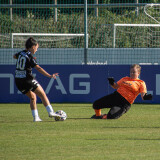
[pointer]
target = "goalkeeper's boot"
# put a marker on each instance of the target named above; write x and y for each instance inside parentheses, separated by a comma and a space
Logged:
(104, 116)
(37, 119)
(96, 117)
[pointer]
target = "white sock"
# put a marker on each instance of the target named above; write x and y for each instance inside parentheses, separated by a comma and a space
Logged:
(35, 113)
(49, 109)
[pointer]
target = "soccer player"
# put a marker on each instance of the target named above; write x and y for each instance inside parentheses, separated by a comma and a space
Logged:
(25, 81)
(119, 102)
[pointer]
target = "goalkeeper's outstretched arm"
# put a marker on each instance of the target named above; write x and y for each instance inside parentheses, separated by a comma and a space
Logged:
(113, 83)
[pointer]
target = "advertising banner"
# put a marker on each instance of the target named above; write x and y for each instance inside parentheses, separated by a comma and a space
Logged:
(78, 83)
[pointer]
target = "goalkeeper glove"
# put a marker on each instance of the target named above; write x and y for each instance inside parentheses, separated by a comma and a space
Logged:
(111, 80)
(147, 97)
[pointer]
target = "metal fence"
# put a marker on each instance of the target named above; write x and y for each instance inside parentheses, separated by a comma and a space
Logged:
(82, 33)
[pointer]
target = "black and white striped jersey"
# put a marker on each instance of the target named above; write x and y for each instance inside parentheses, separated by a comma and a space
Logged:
(24, 65)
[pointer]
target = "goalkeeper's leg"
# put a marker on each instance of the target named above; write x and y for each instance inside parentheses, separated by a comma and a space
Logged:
(116, 112)
(104, 102)
(115, 101)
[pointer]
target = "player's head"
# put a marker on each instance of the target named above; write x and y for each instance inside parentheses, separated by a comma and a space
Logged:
(31, 45)
(135, 71)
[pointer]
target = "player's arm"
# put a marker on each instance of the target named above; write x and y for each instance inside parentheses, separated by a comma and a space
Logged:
(143, 91)
(45, 73)
(113, 83)
(146, 96)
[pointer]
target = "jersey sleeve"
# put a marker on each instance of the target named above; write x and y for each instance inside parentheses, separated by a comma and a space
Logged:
(120, 81)
(33, 62)
(143, 88)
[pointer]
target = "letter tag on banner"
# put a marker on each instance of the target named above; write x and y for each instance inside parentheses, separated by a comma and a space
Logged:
(58, 87)
(85, 84)
(157, 84)
(11, 81)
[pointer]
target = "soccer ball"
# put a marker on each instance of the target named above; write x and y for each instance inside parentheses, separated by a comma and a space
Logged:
(62, 114)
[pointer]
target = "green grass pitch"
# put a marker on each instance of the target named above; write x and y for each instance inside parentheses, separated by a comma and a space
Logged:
(135, 136)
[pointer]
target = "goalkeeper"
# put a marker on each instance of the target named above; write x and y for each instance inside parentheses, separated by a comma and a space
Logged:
(128, 88)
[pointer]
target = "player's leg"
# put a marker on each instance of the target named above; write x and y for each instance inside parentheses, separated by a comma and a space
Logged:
(42, 95)
(120, 107)
(115, 112)
(33, 106)
(104, 102)
(25, 87)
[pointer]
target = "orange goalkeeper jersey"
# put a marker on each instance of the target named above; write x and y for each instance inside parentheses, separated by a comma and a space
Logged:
(130, 88)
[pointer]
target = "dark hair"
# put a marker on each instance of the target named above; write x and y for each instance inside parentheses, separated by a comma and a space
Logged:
(30, 42)
(136, 66)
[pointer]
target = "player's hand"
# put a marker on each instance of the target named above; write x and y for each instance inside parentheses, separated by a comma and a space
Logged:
(55, 75)
(147, 97)
(111, 80)
(14, 56)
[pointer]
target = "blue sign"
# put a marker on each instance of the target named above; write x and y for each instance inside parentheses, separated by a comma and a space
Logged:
(78, 83)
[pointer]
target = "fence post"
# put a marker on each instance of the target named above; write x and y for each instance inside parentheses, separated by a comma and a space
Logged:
(96, 9)
(85, 33)
(114, 35)
(137, 8)
(55, 11)
(11, 10)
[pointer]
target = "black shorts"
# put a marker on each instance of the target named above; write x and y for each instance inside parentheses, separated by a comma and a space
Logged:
(118, 104)
(25, 85)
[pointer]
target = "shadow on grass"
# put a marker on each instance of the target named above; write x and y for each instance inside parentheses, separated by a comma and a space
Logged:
(127, 139)
(78, 118)
(26, 121)
(157, 127)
